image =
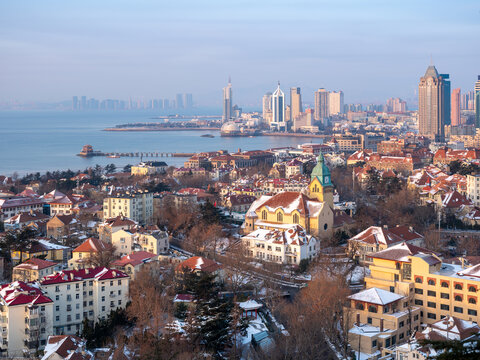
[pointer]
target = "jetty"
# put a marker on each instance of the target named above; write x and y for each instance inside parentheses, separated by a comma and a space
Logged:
(87, 151)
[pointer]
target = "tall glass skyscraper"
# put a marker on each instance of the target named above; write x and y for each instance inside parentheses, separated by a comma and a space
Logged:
(477, 102)
(227, 102)
(278, 109)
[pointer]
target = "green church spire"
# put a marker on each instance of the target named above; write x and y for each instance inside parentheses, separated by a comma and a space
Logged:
(321, 172)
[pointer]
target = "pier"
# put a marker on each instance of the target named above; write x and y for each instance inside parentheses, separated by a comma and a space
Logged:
(87, 151)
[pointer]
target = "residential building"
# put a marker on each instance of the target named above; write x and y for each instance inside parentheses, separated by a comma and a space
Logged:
(288, 245)
(431, 108)
(86, 293)
(278, 110)
(109, 226)
(34, 269)
(63, 205)
(295, 102)
(82, 253)
(124, 242)
(27, 318)
(349, 143)
(473, 188)
(455, 108)
(476, 93)
(45, 249)
(20, 204)
(321, 104)
(267, 108)
(156, 242)
(66, 347)
(197, 265)
(131, 264)
(293, 167)
(136, 205)
(35, 220)
(335, 103)
(149, 168)
(61, 226)
(227, 102)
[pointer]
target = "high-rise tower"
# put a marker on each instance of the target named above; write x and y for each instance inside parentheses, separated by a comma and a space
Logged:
(321, 104)
(267, 108)
(477, 102)
(335, 102)
(431, 108)
(227, 102)
(295, 102)
(455, 108)
(278, 109)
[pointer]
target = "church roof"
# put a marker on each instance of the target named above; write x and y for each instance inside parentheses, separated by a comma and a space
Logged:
(321, 170)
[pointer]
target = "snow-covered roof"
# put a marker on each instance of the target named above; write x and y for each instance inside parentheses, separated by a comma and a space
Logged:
(376, 296)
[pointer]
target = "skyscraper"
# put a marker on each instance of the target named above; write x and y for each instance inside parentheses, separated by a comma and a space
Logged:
(179, 101)
(321, 104)
(431, 108)
(278, 109)
(477, 102)
(295, 102)
(335, 102)
(455, 108)
(83, 104)
(75, 103)
(267, 107)
(227, 102)
(188, 101)
(447, 96)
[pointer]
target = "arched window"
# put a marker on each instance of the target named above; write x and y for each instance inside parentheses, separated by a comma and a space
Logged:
(279, 217)
(264, 215)
(431, 282)
(458, 298)
(444, 284)
(458, 286)
(372, 309)
(359, 306)
(296, 219)
(325, 227)
(472, 289)
(418, 280)
(472, 301)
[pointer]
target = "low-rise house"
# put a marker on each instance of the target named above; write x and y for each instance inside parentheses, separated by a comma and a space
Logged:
(149, 168)
(82, 253)
(86, 293)
(43, 248)
(27, 319)
(109, 226)
(284, 246)
(126, 242)
(239, 203)
(14, 205)
(179, 172)
(35, 220)
(131, 264)
(66, 347)
(61, 226)
(197, 265)
(34, 269)
(63, 205)
(293, 167)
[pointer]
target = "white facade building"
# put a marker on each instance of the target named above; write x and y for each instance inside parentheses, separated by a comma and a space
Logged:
(278, 110)
(136, 205)
(473, 188)
(335, 102)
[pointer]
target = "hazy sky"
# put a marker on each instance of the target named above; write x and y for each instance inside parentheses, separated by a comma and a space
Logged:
(372, 50)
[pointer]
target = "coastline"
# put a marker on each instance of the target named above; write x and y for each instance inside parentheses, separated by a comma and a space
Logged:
(161, 129)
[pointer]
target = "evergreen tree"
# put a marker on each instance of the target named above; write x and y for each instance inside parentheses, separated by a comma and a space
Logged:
(211, 214)
(373, 180)
(454, 349)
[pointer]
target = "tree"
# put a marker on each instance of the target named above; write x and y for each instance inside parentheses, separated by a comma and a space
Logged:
(110, 169)
(103, 257)
(373, 181)
(454, 349)
(210, 214)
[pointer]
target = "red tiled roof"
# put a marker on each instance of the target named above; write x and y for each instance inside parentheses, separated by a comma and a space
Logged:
(135, 258)
(36, 264)
(20, 293)
(99, 273)
(198, 263)
(90, 245)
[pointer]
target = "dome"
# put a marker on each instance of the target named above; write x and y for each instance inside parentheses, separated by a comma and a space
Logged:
(230, 127)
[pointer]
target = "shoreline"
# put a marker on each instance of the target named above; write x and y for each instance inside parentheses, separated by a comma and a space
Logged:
(161, 129)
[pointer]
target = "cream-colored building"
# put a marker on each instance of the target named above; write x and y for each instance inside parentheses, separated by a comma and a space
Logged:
(131, 264)
(86, 293)
(136, 205)
(283, 246)
(82, 253)
(126, 242)
(335, 102)
(473, 188)
(149, 168)
(27, 318)
(34, 269)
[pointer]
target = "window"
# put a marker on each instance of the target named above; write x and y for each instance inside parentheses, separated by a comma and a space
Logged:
(431, 282)
(111, 283)
(69, 317)
(458, 298)
(444, 307)
(57, 308)
(57, 297)
(296, 219)
(103, 308)
(458, 286)
(90, 283)
(69, 297)
(57, 318)
(392, 288)
(359, 306)
(103, 298)
(77, 296)
(77, 316)
(431, 316)
(103, 288)
(400, 336)
(418, 291)
(472, 301)
(431, 304)
(415, 318)
(280, 217)
(418, 302)
(77, 286)
(69, 307)
(444, 284)
(458, 309)
(372, 309)
(444, 296)
(374, 343)
(90, 293)
(68, 287)
(264, 215)
(385, 309)
(57, 288)
(387, 342)
(401, 324)
(418, 280)
(472, 312)
(431, 293)
(472, 288)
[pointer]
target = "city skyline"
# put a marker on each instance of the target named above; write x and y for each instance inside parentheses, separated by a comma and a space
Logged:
(155, 49)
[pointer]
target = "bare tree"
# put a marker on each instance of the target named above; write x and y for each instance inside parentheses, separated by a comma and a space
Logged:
(103, 257)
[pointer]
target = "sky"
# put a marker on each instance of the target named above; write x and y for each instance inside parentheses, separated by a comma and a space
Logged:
(370, 49)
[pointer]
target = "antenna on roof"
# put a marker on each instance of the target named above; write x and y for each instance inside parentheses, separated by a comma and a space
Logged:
(431, 59)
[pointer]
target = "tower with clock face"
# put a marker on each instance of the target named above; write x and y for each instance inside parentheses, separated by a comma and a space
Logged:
(321, 187)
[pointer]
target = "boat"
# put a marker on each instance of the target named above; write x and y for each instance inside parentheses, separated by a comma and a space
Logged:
(113, 156)
(208, 135)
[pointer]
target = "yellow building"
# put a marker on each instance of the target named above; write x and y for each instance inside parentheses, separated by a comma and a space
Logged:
(149, 168)
(314, 212)
(34, 269)
(135, 205)
(82, 253)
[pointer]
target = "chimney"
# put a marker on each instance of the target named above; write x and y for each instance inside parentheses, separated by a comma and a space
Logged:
(358, 319)
(381, 325)
(71, 276)
(385, 227)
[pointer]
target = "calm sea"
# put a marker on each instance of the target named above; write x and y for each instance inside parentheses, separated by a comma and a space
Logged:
(48, 140)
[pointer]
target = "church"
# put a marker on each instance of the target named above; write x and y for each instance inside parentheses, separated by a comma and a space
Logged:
(312, 208)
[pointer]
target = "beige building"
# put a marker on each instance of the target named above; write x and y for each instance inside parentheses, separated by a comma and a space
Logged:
(131, 264)
(295, 102)
(321, 104)
(27, 318)
(82, 253)
(34, 269)
(109, 226)
(335, 102)
(149, 168)
(86, 293)
(135, 205)
(126, 242)
(473, 188)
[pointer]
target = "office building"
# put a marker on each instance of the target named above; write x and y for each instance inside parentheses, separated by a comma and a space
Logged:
(83, 103)
(278, 109)
(335, 102)
(477, 102)
(431, 109)
(227, 102)
(447, 100)
(321, 104)
(267, 108)
(188, 101)
(75, 103)
(179, 101)
(295, 102)
(455, 107)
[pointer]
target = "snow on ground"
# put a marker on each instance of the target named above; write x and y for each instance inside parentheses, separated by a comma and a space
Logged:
(255, 326)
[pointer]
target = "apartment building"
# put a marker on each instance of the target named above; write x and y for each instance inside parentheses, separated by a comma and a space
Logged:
(136, 205)
(82, 253)
(13, 206)
(473, 188)
(27, 318)
(85, 293)
(126, 242)
(149, 168)
(34, 269)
